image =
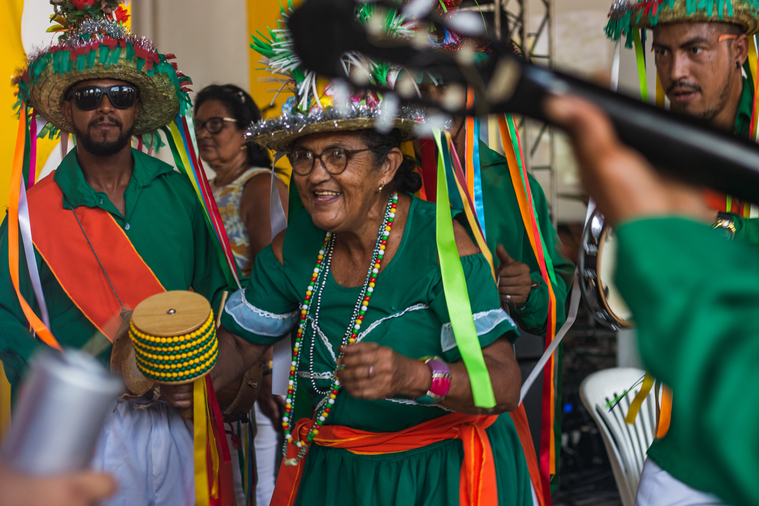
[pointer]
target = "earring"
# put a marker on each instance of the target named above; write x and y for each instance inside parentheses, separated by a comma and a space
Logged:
(737, 65)
(381, 187)
(243, 147)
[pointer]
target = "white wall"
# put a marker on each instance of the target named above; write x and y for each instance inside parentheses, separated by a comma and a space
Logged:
(209, 38)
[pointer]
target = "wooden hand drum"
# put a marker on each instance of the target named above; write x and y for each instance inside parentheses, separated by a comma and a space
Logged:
(174, 338)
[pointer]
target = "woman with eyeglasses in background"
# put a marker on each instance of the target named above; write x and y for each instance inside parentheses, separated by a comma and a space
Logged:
(222, 113)
(242, 189)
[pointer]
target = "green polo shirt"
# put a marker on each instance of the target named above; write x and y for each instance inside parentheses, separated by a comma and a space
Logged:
(745, 108)
(695, 297)
(165, 222)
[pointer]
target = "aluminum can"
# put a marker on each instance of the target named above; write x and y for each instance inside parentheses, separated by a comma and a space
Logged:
(60, 413)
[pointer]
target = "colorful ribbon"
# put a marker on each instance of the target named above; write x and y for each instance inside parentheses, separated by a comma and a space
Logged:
(645, 389)
(521, 184)
(665, 412)
(474, 225)
(640, 58)
(200, 438)
(752, 63)
(457, 295)
(190, 165)
(473, 174)
(37, 325)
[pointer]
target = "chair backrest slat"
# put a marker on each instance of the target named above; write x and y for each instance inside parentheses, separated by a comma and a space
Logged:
(626, 445)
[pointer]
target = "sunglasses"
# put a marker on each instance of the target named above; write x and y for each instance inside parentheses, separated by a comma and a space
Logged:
(122, 96)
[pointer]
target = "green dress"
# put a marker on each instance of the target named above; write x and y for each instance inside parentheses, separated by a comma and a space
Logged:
(407, 313)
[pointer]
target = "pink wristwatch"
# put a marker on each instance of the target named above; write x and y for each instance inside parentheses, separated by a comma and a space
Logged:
(441, 381)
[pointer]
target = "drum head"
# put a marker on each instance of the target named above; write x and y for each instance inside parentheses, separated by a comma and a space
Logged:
(171, 314)
(607, 269)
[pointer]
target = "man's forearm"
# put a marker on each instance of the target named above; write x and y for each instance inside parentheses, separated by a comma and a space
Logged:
(235, 357)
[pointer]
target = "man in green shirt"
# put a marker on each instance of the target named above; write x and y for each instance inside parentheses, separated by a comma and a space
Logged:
(520, 283)
(111, 226)
(699, 56)
(696, 316)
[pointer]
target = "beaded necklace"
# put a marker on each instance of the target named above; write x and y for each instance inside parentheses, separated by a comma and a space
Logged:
(319, 278)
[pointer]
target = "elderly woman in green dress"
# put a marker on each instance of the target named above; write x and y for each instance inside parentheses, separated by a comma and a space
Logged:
(356, 275)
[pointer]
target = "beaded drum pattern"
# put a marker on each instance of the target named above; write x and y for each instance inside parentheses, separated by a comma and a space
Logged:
(178, 358)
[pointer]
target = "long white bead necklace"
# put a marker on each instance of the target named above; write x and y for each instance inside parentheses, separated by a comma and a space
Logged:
(353, 326)
(319, 277)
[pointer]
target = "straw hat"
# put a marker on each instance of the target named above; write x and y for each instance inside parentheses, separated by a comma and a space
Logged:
(628, 14)
(321, 105)
(96, 45)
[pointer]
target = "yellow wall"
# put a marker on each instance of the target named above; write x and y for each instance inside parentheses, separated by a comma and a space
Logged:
(263, 13)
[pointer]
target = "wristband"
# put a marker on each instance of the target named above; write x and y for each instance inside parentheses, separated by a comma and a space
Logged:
(726, 224)
(441, 381)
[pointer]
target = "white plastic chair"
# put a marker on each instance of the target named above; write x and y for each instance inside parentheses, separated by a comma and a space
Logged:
(625, 444)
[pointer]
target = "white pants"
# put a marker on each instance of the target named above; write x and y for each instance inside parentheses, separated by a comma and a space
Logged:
(659, 488)
(266, 446)
(150, 453)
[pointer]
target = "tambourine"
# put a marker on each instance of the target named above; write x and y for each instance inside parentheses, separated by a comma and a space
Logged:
(597, 266)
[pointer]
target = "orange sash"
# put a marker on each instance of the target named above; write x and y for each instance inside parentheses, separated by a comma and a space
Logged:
(477, 480)
(63, 246)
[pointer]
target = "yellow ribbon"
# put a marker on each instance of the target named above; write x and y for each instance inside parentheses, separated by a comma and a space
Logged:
(202, 497)
(752, 61)
(632, 414)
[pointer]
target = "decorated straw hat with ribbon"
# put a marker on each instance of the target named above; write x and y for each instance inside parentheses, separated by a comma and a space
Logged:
(320, 104)
(626, 15)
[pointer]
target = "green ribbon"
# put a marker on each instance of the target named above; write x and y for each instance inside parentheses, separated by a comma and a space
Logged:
(641, 65)
(456, 293)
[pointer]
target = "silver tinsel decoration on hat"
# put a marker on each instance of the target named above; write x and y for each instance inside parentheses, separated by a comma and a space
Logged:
(295, 123)
(94, 30)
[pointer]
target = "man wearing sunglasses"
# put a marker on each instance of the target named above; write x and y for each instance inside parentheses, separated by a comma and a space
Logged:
(699, 57)
(102, 113)
(110, 227)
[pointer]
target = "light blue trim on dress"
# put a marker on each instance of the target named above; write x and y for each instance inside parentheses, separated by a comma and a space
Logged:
(258, 321)
(484, 322)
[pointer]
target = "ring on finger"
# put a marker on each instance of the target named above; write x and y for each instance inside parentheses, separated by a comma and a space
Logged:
(508, 299)
(371, 370)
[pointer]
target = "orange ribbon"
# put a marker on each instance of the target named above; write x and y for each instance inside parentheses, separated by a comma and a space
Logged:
(665, 413)
(13, 246)
(477, 480)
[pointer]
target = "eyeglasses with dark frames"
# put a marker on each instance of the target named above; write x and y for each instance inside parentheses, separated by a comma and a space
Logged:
(213, 125)
(334, 160)
(88, 98)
